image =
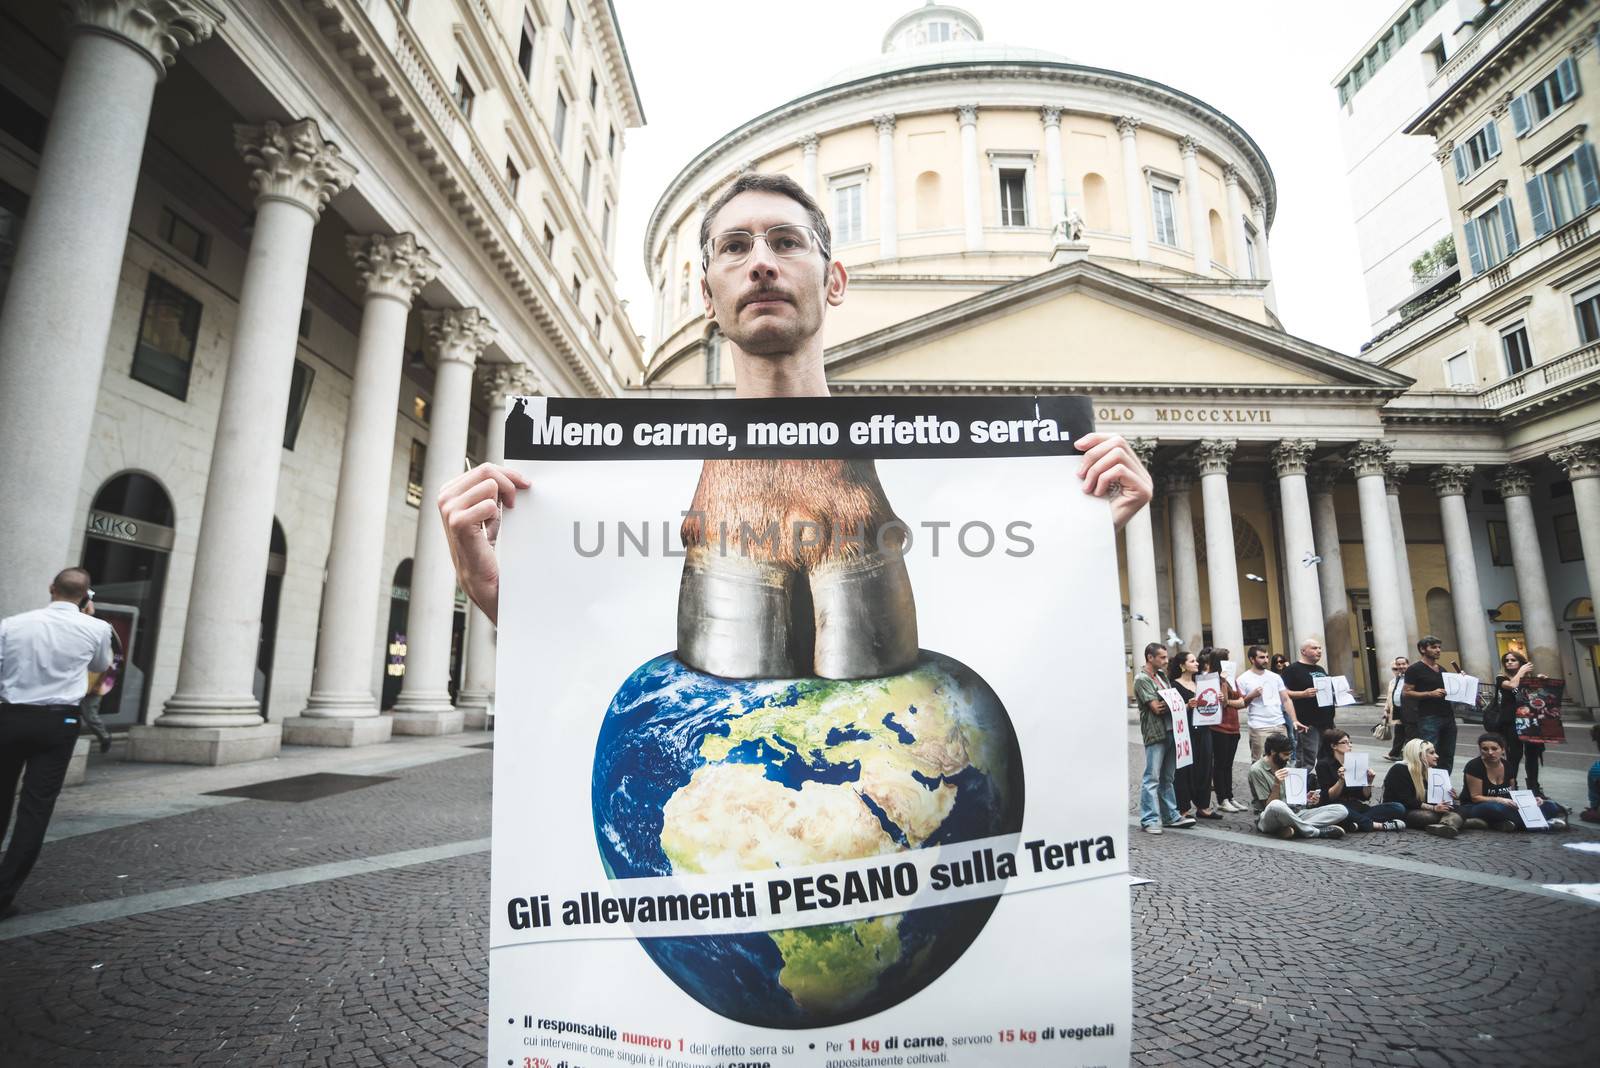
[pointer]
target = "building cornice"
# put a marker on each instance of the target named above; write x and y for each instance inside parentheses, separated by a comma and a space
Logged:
(706, 168)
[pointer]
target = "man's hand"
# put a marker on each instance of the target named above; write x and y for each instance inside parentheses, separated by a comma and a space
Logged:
(1281, 774)
(1109, 461)
(1300, 727)
(469, 506)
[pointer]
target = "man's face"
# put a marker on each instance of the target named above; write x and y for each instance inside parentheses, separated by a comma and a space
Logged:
(1159, 661)
(1259, 661)
(769, 305)
(1432, 650)
(1311, 652)
(1400, 665)
(1279, 758)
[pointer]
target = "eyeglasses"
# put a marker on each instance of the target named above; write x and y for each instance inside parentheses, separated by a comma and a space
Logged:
(732, 248)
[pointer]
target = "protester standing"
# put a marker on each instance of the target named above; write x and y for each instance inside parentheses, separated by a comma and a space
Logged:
(1268, 704)
(45, 659)
(1528, 752)
(1300, 680)
(1225, 735)
(1158, 802)
(1193, 783)
(1400, 713)
(1436, 721)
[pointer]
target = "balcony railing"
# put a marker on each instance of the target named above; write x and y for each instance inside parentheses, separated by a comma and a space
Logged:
(1536, 380)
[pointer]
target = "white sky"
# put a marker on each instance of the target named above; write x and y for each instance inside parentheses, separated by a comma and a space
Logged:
(1266, 64)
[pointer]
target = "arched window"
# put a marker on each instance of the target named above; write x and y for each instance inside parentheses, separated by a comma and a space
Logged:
(1582, 608)
(930, 208)
(1442, 617)
(1219, 240)
(1096, 203)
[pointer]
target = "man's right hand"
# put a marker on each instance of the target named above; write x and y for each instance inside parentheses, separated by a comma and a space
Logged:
(1281, 774)
(469, 506)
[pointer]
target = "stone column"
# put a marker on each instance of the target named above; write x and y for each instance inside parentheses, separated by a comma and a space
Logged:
(971, 176)
(696, 268)
(58, 307)
(808, 172)
(1367, 460)
(1236, 209)
(1394, 475)
(342, 709)
(1258, 210)
(1299, 543)
(476, 699)
(456, 337)
(1138, 203)
(1451, 482)
(1176, 484)
(1527, 560)
(1055, 174)
(1330, 573)
(1582, 465)
(1199, 224)
(1212, 459)
(213, 716)
(1139, 540)
(888, 204)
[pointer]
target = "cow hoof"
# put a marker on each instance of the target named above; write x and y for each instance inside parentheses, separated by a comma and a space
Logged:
(866, 619)
(739, 618)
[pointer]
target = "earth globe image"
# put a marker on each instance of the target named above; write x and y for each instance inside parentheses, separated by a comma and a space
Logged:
(696, 774)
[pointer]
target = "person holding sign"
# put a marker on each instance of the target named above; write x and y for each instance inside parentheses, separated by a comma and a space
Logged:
(1513, 699)
(1193, 781)
(1270, 711)
(1339, 771)
(1300, 682)
(1158, 802)
(1489, 786)
(1436, 723)
(1407, 785)
(1225, 732)
(769, 280)
(1279, 813)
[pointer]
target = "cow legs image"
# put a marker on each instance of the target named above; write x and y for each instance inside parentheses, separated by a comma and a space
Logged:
(794, 567)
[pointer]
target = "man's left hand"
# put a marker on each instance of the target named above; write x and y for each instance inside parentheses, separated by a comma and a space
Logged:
(1109, 461)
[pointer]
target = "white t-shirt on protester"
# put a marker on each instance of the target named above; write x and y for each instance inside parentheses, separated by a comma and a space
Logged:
(1264, 692)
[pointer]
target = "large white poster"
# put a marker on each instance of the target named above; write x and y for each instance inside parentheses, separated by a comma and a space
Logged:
(830, 770)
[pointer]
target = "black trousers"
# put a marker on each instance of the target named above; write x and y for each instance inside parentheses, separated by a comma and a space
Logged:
(1192, 784)
(1223, 746)
(36, 745)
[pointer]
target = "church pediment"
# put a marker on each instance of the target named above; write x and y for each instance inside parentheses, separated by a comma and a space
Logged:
(1083, 323)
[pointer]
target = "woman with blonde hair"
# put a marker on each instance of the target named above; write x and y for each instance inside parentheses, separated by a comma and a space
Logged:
(1407, 784)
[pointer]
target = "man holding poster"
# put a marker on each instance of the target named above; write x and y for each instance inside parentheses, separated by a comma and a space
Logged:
(771, 846)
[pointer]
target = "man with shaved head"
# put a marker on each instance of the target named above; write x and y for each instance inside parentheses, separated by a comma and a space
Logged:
(45, 659)
(1301, 679)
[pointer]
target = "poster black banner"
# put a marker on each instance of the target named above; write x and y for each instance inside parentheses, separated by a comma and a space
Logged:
(846, 428)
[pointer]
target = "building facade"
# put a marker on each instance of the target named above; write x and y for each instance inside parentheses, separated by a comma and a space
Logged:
(269, 269)
(1013, 221)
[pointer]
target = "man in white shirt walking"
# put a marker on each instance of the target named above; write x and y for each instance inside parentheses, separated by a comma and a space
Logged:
(1267, 702)
(45, 659)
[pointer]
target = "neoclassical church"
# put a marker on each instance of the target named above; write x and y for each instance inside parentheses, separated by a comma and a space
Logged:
(1015, 222)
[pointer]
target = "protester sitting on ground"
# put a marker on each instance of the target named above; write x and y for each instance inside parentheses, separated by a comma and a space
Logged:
(1225, 735)
(1193, 783)
(1592, 813)
(1364, 816)
(1407, 784)
(1509, 689)
(1488, 784)
(1273, 814)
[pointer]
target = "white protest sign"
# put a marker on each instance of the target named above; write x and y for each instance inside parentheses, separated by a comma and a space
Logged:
(1355, 769)
(1208, 691)
(1325, 691)
(1460, 689)
(668, 867)
(1294, 786)
(1230, 672)
(1180, 727)
(1341, 691)
(1438, 786)
(1528, 809)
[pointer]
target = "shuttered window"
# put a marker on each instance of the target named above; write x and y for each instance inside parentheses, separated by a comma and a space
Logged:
(1565, 191)
(1556, 89)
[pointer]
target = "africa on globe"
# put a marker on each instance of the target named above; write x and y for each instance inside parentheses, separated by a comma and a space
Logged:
(696, 774)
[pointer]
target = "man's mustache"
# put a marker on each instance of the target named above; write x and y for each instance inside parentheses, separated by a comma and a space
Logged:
(765, 294)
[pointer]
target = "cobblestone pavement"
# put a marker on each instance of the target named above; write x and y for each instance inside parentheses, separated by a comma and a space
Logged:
(1247, 951)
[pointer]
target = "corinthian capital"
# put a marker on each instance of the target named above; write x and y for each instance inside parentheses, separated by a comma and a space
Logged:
(1514, 481)
(1324, 477)
(502, 380)
(1289, 457)
(1144, 449)
(967, 114)
(291, 162)
(458, 334)
(395, 267)
(1213, 456)
(1189, 146)
(156, 28)
(808, 144)
(1578, 461)
(884, 123)
(1394, 476)
(1370, 457)
(1451, 480)
(1050, 116)
(1128, 124)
